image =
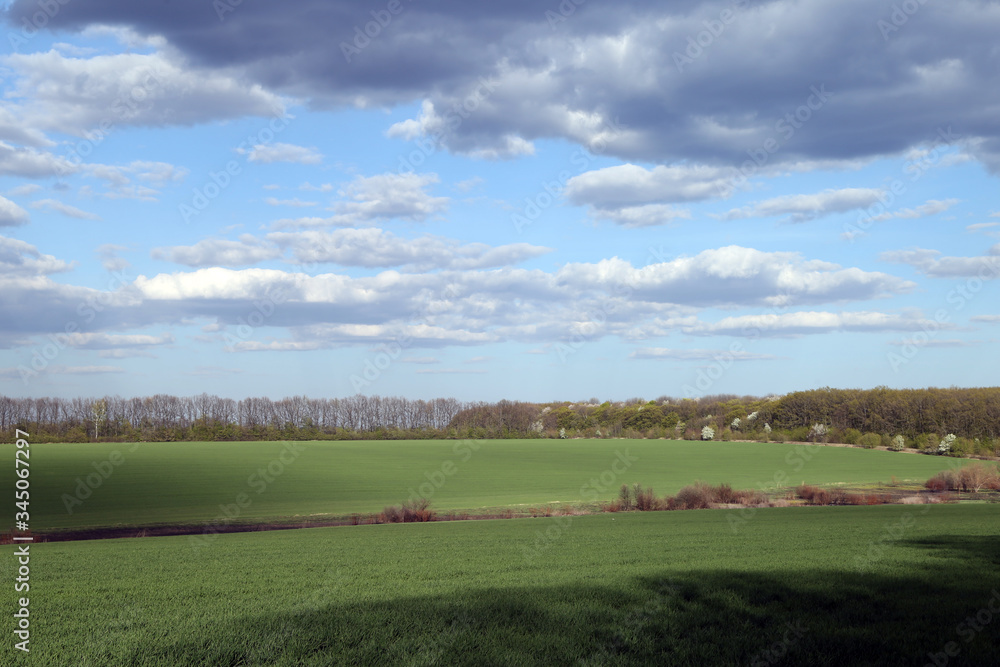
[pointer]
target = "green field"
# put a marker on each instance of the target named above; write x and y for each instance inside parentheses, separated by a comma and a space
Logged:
(884, 585)
(186, 482)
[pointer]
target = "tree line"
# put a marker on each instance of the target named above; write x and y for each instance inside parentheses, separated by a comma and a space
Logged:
(873, 417)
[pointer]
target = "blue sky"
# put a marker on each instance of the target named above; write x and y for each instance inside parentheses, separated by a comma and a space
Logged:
(526, 201)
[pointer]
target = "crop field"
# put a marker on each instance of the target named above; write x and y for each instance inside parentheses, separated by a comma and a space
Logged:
(102, 484)
(886, 585)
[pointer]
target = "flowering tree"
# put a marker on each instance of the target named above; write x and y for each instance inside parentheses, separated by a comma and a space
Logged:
(767, 429)
(945, 445)
(707, 433)
(898, 443)
(817, 431)
(736, 424)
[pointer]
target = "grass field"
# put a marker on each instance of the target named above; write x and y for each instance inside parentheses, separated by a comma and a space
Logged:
(886, 585)
(186, 482)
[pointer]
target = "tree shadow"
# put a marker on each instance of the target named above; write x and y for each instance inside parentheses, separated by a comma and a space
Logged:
(703, 617)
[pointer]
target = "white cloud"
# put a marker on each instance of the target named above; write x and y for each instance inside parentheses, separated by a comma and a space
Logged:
(371, 199)
(77, 95)
(812, 322)
(103, 341)
(931, 263)
(630, 185)
(802, 208)
(294, 202)
(12, 215)
(21, 259)
(217, 252)
(696, 354)
(279, 152)
(65, 209)
(372, 247)
(24, 190)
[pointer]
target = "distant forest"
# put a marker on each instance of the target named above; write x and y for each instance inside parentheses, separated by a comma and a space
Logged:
(873, 417)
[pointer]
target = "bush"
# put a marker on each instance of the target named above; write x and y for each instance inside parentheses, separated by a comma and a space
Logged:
(707, 433)
(898, 443)
(945, 445)
(927, 442)
(723, 494)
(943, 481)
(870, 440)
(813, 494)
(646, 501)
(852, 436)
(694, 497)
(800, 434)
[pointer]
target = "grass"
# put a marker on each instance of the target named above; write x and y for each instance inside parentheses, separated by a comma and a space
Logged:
(885, 585)
(184, 482)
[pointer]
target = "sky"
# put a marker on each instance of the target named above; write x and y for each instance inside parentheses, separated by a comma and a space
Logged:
(525, 200)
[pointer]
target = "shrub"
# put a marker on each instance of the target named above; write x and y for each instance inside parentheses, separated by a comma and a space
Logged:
(898, 443)
(646, 501)
(943, 481)
(813, 494)
(800, 434)
(852, 436)
(927, 442)
(624, 498)
(707, 433)
(975, 477)
(945, 445)
(694, 497)
(723, 494)
(870, 440)
(750, 497)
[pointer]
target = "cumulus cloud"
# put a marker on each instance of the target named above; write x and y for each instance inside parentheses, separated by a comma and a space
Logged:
(21, 259)
(280, 152)
(369, 199)
(77, 95)
(813, 322)
(12, 215)
(932, 263)
(573, 79)
(802, 208)
(373, 248)
(218, 252)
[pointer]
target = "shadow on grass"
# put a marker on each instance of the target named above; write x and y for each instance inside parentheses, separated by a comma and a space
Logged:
(704, 617)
